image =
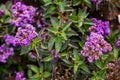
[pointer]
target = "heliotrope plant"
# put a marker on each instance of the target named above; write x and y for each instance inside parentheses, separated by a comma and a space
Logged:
(57, 40)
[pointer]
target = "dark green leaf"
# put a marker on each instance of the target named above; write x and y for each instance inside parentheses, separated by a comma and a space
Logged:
(75, 68)
(66, 26)
(76, 56)
(47, 74)
(58, 44)
(85, 67)
(51, 43)
(115, 53)
(54, 22)
(25, 49)
(34, 68)
(65, 45)
(49, 58)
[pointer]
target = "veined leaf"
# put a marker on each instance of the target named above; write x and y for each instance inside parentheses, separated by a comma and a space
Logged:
(58, 44)
(85, 67)
(54, 22)
(51, 43)
(53, 30)
(66, 26)
(47, 74)
(34, 68)
(25, 49)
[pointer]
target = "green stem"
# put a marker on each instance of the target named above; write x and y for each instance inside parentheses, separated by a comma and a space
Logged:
(38, 56)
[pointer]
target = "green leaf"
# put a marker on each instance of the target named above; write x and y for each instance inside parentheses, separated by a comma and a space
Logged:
(49, 58)
(51, 43)
(66, 26)
(47, 74)
(80, 24)
(50, 11)
(29, 73)
(71, 33)
(66, 61)
(102, 74)
(36, 77)
(76, 56)
(25, 49)
(65, 45)
(88, 2)
(41, 69)
(85, 67)
(61, 6)
(58, 44)
(53, 30)
(98, 64)
(115, 53)
(75, 68)
(35, 41)
(76, 2)
(34, 68)
(47, 2)
(63, 34)
(54, 22)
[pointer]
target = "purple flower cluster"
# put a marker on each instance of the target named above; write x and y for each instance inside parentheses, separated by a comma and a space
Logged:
(25, 35)
(101, 27)
(22, 14)
(8, 39)
(1, 12)
(56, 56)
(5, 53)
(97, 1)
(118, 42)
(95, 46)
(20, 76)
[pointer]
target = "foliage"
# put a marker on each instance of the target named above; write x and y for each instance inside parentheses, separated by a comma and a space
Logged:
(55, 51)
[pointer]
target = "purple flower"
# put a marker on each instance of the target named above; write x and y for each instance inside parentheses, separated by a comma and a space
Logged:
(118, 42)
(97, 1)
(111, 65)
(101, 27)
(5, 53)
(1, 12)
(8, 39)
(119, 60)
(56, 56)
(90, 59)
(95, 46)
(25, 35)
(22, 14)
(20, 76)
(32, 55)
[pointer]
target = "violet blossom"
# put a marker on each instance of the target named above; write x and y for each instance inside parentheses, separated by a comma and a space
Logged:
(97, 1)
(25, 35)
(56, 56)
(118, 42)
(95, 46)
(111, 65)
(5, 53)
(1, 12)
(101, 27)
(8, 39)
(20, 76)
(22, 14)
